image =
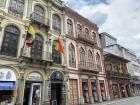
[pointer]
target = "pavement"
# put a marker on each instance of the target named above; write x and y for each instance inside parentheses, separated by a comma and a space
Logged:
(126, 101)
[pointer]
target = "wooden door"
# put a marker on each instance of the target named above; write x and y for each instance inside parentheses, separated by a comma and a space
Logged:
(73, 87)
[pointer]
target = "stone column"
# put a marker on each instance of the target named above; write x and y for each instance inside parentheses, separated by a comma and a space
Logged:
(120, 94)
(20, 91)
(46, 88)
(90, 92)
(81, 92)
(99, 91)
(107, 90)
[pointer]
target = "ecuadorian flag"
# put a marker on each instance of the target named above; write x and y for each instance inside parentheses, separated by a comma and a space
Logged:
(30, 36)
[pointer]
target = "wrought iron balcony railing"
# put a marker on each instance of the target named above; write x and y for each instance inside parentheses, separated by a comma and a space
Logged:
(89, 66)
(44, 55)
(118, 75)
(40, 19)
(86, 38)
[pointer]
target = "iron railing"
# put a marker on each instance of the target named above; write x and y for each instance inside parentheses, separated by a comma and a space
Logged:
(118, 75)
(41, 19)
(86, 38)
(89, 66)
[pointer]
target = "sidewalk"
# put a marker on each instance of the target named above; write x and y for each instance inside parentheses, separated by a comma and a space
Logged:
(113, 101)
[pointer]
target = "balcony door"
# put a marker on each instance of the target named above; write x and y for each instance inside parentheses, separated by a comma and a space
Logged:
(36, 51)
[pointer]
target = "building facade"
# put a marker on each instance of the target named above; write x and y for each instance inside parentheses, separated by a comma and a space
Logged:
(87, 82)
(32, 75)
(118, 76)
(127, 54)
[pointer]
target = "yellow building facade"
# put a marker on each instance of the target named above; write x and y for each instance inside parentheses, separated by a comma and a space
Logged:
(32, 76)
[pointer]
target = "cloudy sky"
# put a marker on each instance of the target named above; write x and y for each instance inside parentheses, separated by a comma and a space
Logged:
(120, 18)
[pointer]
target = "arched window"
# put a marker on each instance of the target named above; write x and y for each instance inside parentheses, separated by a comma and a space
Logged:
(69, 26)
(93, 37)
(36, 50)
(90, 58)
(56, 25)
(56, 55)
(86, 32)
(10, 41)
(39, 13)
(82, 56)
(98, 61)
(16, 7)
(79, 29)
(72, 62)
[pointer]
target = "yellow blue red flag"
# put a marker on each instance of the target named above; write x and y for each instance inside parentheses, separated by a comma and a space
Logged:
(30, 36)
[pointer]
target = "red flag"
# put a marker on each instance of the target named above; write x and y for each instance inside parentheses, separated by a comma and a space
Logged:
(59, 46)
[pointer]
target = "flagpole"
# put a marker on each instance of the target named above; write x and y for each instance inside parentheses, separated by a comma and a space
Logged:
(24, 42)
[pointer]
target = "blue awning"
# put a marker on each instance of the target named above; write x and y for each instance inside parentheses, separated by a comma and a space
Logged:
(7, 85)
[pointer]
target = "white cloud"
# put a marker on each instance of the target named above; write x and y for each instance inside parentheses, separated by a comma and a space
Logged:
(119, 18)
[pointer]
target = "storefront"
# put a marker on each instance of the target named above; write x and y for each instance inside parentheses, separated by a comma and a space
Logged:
(7, 86)
(33, 92)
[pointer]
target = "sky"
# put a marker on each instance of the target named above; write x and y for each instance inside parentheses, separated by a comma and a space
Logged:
(119, 18)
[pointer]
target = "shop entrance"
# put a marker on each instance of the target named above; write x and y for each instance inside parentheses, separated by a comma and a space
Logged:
(57, 89)
(32, 95)
(33, 89)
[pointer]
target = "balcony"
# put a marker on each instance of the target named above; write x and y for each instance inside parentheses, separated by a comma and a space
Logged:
(87, 66)
(87, 39)
(57, 3)
(39, 19)
(114, 74)
(45, 56)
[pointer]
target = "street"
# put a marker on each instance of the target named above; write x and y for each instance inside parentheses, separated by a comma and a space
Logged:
(126, 101)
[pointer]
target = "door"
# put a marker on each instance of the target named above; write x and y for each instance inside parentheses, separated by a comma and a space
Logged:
(73, 87)
(35, 94)
(115, 91)
(56, 94)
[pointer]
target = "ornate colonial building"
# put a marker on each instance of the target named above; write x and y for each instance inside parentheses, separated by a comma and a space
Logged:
(34, 75)
(87, 82)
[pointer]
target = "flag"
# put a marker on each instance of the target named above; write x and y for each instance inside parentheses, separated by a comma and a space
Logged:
(59, 46)
(30, 36)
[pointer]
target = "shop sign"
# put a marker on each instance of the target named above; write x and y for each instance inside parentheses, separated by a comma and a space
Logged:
(7, 74)
(34, 76)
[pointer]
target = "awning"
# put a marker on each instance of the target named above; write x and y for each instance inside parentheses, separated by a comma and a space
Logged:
(7, 85)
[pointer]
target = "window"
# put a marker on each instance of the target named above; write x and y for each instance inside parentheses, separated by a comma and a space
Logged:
(93, 36)
(56, 56)
(39, 13)
(98, 61)
(36, 50)
(82, 56)
(86, 33)
(10, 41)
(90, 58)
(72, 62)
(16, 7)
(56, 23)
(2, 3)
(79, 29)
(69, 26)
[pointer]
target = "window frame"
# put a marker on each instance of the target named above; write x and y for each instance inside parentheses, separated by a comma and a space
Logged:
(72, 60)
(56, 23)
(13, 33)
(69, 26)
